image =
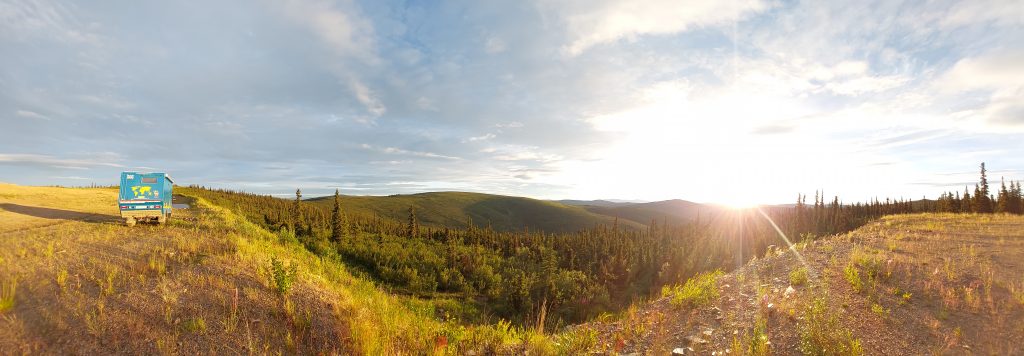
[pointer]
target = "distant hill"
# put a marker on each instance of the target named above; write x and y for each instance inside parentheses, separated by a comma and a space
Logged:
(457, 209)
(674, 211)
(600, 202)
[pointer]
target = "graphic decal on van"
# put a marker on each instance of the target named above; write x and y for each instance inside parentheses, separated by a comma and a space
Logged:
(143, 191)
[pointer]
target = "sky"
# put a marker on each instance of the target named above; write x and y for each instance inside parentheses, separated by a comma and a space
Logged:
(733, 102)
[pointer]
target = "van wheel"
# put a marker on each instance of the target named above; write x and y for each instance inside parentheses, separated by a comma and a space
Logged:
(129, 221)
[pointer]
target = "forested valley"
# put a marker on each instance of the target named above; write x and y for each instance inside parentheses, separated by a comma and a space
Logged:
(548, 280)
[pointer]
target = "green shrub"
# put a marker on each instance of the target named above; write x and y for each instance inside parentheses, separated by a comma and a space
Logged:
(759, 339)
(196, 325)
(853, 276)
(698, 291)
(7, 295)
(823, 334)
(798, 276)
(283, 276)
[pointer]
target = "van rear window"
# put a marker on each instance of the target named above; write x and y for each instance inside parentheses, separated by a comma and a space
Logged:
(149, 180)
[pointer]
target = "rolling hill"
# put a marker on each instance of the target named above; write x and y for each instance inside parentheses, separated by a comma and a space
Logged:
(458, 209)
(673, 211)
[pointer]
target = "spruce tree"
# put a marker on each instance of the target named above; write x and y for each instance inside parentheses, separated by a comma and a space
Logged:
(297, 212)
(413, 228)
(967, 204)
(1016, 203)
(982, 203)
(1003, 204)
(338, 228)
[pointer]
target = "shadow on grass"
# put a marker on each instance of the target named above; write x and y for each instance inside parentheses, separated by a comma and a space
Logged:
(51, 213)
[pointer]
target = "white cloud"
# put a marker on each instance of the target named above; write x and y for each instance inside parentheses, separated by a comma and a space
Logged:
(54, 162)
(339, 24)
(1001, 74)
(399, 151)
(1000, 12)
(368, 98)
(593, 23)
(995, 71)
(349, 35)
(29, 20)
(31, 115)
(480, 138)
(865, 84)
(494, 45)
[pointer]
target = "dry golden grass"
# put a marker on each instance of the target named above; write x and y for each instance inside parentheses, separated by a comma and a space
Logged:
(86, 284)
(906, 284)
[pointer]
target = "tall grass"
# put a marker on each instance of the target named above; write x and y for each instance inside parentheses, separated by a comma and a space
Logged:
(822, 333)
(7, 292)
(697, 291)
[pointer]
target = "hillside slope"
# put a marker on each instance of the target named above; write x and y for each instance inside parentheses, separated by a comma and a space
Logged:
(457, 209)
(77, 281)
(907, 284)
(672, 211)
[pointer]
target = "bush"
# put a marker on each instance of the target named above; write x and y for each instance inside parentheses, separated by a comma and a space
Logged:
(283, 276)
(822, 333)
(853, 276)
(576, 341)
(758, 344)
(798, 276)
(698, 291)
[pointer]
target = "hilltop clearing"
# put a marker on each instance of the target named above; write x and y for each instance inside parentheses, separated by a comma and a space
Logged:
(906, 284)
(75, 280)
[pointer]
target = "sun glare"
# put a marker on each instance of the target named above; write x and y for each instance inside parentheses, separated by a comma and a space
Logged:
(739, 203)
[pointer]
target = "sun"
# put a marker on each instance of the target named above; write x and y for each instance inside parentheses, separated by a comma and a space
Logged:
(738, 202)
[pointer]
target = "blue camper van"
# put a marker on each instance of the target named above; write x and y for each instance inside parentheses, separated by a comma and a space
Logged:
(145, 197)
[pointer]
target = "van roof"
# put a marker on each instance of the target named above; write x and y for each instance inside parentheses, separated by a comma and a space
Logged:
(166, 176)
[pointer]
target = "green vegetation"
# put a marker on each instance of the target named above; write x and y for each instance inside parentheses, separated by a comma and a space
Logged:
(759, 345)
(576, 341)
(798, 276)
(7, 292)
(283, 276)
(462, 209)
(195, 325)
(531, 278)
(853, 276)
(879, 310)
(822, 333)
(697, 291)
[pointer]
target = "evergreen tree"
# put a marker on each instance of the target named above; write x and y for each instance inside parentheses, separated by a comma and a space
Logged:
(413, 228)
(982, 203)
(1016, 203)
(297, 212)
(338, 225)
(1003, 202)
(967, 204)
